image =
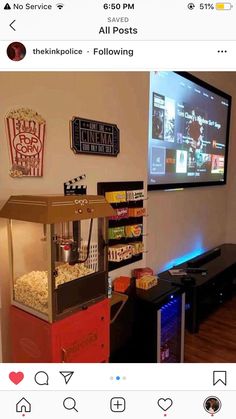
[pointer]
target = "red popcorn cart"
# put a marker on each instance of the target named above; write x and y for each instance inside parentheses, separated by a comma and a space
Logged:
(60, 310)
(26, 135)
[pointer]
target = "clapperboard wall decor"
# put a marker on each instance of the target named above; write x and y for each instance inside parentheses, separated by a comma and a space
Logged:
(94, 137)
(71, 187)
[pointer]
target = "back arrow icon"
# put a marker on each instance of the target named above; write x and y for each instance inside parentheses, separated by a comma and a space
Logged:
(12, 24)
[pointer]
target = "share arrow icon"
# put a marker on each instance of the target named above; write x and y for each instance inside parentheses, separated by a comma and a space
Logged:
(66, 375)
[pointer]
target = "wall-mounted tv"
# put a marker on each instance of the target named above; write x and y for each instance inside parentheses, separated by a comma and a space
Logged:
(188, 132)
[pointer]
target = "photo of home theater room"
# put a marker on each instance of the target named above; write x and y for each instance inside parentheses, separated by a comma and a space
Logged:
(117, 217)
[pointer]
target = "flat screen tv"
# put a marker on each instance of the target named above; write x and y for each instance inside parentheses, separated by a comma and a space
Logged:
(188, 132)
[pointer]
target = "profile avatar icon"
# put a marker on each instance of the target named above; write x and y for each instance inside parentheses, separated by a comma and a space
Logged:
(16, 51)
(212, 405)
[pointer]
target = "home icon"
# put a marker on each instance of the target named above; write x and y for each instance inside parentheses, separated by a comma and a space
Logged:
(23, 406)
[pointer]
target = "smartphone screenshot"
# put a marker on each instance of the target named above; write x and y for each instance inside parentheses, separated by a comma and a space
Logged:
(117, 226)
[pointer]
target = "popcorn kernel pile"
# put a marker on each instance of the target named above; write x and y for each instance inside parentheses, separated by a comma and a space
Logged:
(32, 289)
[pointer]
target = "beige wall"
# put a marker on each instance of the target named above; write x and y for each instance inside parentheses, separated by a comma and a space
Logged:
(178, 222)
(121, 98)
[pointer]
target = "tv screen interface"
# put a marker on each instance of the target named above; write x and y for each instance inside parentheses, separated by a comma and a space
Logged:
(188, 131)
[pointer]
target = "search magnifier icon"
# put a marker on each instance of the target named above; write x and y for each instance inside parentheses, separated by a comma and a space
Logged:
(69, 404)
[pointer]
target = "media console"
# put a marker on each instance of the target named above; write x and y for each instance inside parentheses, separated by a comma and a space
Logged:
(204, 293)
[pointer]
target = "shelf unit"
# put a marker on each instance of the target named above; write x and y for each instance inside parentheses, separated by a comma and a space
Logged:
(102, 188)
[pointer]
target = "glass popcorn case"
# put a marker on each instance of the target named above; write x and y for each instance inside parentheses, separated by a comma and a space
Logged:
(58, 253)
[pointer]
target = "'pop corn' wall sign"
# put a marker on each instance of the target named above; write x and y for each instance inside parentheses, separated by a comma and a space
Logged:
(26, 134)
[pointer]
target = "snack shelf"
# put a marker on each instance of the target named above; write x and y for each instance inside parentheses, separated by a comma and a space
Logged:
(123, 188)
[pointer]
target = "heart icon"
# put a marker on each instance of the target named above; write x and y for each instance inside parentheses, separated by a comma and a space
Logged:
(16, 377)
(165, 404)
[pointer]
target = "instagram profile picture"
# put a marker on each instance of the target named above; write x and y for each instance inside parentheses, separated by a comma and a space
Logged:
(16, 51)
(212, 405)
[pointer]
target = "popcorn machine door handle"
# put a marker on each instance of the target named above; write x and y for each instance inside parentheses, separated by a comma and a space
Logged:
(64, 354)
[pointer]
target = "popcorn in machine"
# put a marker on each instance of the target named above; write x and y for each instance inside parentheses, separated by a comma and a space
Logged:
(58, 261)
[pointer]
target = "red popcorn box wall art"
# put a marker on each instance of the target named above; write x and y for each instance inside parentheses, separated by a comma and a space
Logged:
(26, 136)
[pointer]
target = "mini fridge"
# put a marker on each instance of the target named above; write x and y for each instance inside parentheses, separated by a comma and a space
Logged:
(159, 324)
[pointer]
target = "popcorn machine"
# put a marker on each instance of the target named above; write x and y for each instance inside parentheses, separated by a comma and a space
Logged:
(55, 282)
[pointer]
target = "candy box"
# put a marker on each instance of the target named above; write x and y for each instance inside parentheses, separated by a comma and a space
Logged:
(120, 213)
(137, 247)
(119, 252)
(146, 282)
(134, 230)
(116, 233)
(116, 196)
(122, 283)
(137, 212)
(135, 195)
(139, 272)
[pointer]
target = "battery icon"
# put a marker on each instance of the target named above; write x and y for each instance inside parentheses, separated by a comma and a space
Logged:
(224, 6)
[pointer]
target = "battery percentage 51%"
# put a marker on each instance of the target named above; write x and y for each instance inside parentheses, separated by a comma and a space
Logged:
(207, 6)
